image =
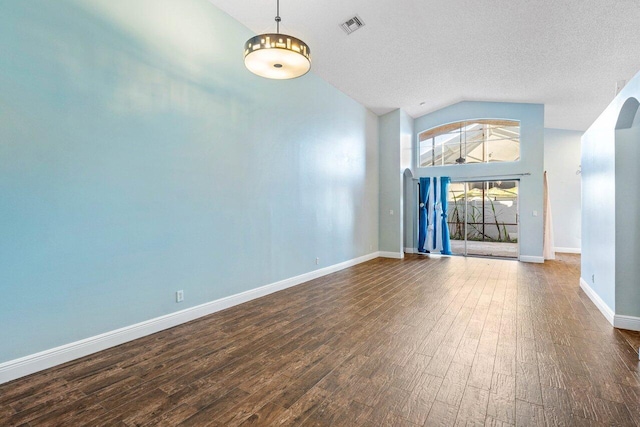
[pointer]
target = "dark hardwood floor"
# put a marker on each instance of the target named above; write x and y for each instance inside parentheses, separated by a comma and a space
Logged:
(633, 338)
(413, 342)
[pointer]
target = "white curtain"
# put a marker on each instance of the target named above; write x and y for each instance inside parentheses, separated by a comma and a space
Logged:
(548, 250)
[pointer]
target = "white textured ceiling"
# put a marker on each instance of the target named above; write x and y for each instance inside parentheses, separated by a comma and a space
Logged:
(566, 54)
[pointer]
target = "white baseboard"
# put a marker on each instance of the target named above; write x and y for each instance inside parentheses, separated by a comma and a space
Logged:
(33, 363)
(529, 258)
(410, 250)
(396, 255)
(568, 250)
(630, 323)
(602, 306)
(619, 321)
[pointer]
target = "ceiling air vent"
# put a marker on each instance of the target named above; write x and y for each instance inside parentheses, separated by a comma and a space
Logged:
(352, 24)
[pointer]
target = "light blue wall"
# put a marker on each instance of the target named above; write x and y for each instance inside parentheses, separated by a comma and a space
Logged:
(390, 179)
(138, 157)
(598, 221)
(396, 135)
(406, 140)
(610, 250)
(531, 117)
(627, 147)
(562, 161)
(406, 156)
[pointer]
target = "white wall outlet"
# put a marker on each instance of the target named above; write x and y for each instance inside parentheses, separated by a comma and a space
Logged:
(534, 213)
(390, 211)
(317, 261)
(179, 296)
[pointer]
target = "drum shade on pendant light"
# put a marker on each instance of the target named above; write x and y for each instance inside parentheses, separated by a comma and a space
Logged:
(277, 56)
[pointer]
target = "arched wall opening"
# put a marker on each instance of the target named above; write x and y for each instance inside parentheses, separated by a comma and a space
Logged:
(409, 211)
(627, 206)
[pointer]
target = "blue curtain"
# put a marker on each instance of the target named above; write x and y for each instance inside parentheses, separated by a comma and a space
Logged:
(422, 210)
(441, 225)
(444, 190)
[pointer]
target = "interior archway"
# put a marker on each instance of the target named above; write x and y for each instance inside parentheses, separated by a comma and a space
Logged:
(627, 187)
(628, 114)
(409, 207)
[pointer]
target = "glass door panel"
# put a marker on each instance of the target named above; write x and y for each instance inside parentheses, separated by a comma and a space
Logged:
(483, 218)
(456, 217)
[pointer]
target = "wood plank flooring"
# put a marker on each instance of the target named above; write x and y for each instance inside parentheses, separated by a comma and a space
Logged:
(413, 342)
(633, 338)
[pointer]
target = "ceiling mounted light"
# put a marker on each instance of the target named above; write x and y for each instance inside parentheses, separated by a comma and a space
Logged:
(277, 56)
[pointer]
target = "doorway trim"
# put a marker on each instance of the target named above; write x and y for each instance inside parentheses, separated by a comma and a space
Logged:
(466, 222)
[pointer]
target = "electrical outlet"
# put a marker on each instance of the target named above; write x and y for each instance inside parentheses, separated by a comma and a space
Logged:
(317, 261)
(390, 211)
(535, 213)
(179, 296)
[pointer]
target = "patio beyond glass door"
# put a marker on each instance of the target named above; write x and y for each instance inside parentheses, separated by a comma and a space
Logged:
(483, 218)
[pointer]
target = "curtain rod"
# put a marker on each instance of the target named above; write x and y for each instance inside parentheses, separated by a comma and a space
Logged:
(468, 178)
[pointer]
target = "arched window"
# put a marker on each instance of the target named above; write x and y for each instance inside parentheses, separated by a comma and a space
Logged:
(470, 141)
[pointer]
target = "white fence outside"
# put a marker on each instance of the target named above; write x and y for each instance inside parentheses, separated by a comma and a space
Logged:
(504, 212)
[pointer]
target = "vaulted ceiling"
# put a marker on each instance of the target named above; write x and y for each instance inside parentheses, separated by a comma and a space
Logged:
(422, 55)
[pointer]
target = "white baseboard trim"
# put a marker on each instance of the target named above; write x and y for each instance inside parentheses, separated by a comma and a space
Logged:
(619, 321)
(33, 363)
(568, 250)
(529, 258)
(602, 306)
(410, 250)
(396, 255)
(630, 323)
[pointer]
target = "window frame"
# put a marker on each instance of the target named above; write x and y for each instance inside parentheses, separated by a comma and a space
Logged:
(460, 124)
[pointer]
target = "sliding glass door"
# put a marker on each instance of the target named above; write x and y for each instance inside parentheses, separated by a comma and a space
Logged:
(483, 218)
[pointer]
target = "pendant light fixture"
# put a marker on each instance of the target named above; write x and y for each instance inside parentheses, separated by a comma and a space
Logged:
(277, 56)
